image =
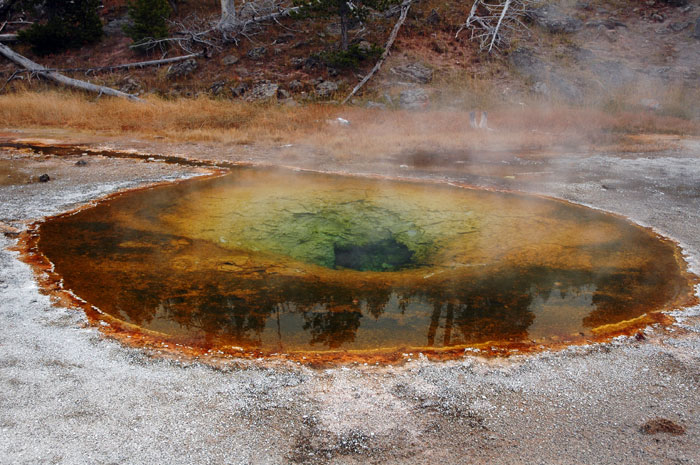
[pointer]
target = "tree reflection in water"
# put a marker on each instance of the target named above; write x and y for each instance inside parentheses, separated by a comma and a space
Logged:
(260, 310)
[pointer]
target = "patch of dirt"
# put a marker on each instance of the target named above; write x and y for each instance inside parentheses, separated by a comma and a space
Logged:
(662, 425)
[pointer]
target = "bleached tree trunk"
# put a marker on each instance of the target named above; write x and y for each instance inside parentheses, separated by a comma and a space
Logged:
(228, 14)
(498, 25)
(344, 13)
(28, 64)
(344, 32)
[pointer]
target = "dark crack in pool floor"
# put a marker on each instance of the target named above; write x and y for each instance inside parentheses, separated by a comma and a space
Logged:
(275, 261)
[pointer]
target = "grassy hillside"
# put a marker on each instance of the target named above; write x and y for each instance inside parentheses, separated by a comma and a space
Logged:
(625, 55)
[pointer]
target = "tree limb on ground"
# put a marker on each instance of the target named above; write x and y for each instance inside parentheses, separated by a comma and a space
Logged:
(36, 68)
(8, 38)
(195, 32)
(270, 17)
(234, 24)
(405, 6)
(140, 64)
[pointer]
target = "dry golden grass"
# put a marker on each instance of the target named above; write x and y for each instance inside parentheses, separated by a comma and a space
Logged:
(181, 120)
(371, 132)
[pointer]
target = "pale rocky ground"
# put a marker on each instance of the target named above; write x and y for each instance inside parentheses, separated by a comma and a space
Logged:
(68, 395)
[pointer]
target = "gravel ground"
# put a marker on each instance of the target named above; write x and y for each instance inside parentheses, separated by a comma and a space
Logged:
(70, 396)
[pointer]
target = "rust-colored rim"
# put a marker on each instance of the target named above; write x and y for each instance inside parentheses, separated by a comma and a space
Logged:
(51, 283)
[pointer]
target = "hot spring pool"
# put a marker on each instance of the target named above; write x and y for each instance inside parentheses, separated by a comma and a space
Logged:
(276, 261)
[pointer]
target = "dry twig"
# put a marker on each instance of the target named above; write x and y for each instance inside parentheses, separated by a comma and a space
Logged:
(405, 6)
(194, 33)
(491, 22)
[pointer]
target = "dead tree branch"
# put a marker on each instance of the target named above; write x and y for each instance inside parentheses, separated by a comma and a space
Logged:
(470, 18)
(197, 33)
(494, 36)
(249, 17)
(144, 64)
(491, 22)
(5, 38)
(405, 6)
(14, 76)
(282, 13)
(139, 64)
(39, 70)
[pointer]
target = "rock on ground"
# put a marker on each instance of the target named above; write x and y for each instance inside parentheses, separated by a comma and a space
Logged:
(217, 88)
(547, 79)
(239, 90)
(263, 91)
(414, 72)
(326, 89)
(131, 86)
(229, 60)
(181, 69)
(257, 53)
(551, 18)
(116, 26)
(413, 99)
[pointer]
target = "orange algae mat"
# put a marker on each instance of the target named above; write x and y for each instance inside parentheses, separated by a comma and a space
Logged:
(275, 261)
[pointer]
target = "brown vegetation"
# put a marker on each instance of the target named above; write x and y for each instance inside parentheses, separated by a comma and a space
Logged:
(370, 132)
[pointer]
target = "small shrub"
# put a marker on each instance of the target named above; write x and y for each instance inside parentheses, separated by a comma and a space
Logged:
(346, 12)
(68, 25)
(149, 22)
(352, 57)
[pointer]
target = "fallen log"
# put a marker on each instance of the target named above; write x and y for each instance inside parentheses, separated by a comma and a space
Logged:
(138, 64)
(405, 6)
(143, 64)
(39, 70)
(8, 38)
(270, 17)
